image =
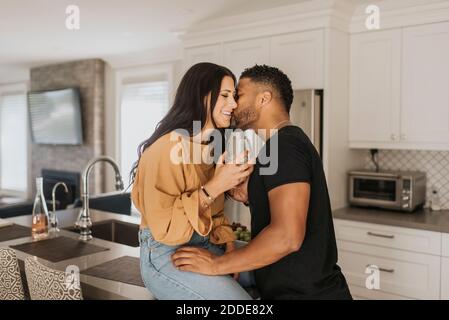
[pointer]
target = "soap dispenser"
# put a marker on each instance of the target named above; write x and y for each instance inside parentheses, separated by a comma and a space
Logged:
(435, 204)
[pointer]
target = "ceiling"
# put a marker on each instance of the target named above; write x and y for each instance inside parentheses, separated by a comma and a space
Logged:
(33, 32)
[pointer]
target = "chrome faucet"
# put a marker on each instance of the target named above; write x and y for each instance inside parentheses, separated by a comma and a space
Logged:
(84, 222)
(53, 218)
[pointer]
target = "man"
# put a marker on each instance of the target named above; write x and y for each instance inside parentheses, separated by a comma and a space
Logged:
(293, 251)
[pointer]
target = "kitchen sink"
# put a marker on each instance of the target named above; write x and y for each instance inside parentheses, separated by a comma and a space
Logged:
(115, 231)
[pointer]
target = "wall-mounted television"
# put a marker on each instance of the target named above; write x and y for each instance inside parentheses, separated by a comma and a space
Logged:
(55, 117)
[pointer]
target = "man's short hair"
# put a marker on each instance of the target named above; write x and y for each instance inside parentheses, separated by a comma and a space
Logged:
(274, 78)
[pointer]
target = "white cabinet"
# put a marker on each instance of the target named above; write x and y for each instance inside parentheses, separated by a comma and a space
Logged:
(375, 87)
(425, 84)
(362, 293)
(414, 240)
(301, 56)
(445, 245)
(445, 267)
(445, 279)
(409, 260)
(402, 273)
(399, 88)
(195, 55)
(240, 55)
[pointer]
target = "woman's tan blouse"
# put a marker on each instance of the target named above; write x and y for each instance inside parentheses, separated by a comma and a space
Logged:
(166, 193)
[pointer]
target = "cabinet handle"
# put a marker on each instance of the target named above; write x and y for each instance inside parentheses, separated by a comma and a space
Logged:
(380, 269)
(393, 136)
(388, 236)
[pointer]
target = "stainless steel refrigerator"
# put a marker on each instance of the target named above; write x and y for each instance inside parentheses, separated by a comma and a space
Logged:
(306, 112)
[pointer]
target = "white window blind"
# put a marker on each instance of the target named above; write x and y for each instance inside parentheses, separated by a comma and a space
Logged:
(143, 105)
(13, 142)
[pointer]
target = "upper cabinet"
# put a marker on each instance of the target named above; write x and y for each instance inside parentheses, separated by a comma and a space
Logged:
(301, 56)
(240, 55)
(195, 55)
(425, 84)
(375, 78)
(400, 88)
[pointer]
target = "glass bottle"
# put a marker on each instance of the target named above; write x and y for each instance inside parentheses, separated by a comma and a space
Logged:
(39, 227)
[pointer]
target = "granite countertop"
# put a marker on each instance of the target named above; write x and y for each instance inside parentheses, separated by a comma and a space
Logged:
(93, 287)
(423, 219)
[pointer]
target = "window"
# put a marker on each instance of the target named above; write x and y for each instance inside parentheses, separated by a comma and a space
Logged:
(142, 107)
(13, 144)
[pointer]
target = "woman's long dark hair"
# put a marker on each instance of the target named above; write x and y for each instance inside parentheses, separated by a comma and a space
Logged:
(189, 105)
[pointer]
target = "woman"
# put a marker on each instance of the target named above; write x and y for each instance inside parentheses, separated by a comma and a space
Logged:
(181, 202)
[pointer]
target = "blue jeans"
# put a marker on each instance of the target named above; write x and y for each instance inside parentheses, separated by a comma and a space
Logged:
(166, 282)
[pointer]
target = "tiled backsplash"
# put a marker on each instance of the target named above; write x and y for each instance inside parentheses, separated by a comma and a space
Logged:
(434, 163)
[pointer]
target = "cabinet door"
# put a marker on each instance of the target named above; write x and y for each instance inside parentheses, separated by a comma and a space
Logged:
(445, 245)
(301, 57)
(240, 55)
(445, 279)
(402, 273)
(375, 84)
(425, 84)
(423, 241)
(202, 54)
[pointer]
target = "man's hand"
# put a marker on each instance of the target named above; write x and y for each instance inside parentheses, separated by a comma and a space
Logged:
(196, 260)
(240, 192)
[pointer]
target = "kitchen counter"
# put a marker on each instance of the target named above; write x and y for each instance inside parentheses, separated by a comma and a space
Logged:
(11, 201)
(93, 287)
(423, 219)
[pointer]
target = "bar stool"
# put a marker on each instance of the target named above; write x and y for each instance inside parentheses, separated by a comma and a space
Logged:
(45, 283)
(11, 287)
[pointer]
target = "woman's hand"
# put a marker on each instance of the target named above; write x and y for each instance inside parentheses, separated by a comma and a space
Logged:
(228, 176)
(230, 246)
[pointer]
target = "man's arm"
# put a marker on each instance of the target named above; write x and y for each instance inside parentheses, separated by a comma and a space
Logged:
(289, 204)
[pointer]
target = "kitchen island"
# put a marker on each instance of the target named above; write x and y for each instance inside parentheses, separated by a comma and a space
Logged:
(92, 287)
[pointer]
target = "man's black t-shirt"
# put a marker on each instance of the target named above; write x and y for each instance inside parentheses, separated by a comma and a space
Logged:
(312, 271)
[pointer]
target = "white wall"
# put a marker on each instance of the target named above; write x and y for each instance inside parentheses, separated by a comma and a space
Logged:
(114, 76)
(338, 158)
(20, 87)
(14, 74)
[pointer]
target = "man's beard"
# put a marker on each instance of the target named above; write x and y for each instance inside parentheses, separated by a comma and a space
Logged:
(245, 118)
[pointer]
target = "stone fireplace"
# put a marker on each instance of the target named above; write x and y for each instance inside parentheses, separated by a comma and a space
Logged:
(88, 77)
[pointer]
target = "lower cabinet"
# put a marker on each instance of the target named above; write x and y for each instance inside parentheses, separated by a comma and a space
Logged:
(392, 268)
(400, 273)
(362, 293)
(445, 278)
